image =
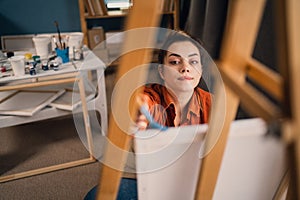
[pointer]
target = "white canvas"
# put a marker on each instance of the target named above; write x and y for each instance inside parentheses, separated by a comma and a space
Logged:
(252, 166)
(70, 100)
(27, 102)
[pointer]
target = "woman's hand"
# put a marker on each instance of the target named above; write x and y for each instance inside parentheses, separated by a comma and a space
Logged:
(142, 122)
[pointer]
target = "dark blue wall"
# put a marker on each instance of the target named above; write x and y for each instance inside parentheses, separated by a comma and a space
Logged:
(38, 16)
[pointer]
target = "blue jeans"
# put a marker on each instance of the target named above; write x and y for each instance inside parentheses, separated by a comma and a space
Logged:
(127, 190)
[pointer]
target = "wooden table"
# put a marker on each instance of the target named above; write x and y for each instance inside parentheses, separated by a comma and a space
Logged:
(71, 72)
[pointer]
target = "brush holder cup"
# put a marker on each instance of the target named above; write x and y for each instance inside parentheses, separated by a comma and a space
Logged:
(63, 54)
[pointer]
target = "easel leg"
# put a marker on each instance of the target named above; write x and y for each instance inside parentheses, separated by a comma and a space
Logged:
(212, 162)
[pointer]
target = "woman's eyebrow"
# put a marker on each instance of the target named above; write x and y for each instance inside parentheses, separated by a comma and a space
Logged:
(193, 54)
(174, 54)
(177, 55)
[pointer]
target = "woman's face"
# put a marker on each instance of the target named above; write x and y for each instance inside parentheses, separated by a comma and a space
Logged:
(182, 68)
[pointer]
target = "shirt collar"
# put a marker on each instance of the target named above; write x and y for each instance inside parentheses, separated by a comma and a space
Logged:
(195, 104)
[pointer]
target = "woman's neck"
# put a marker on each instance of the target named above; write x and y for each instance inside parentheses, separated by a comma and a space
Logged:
(183, 98)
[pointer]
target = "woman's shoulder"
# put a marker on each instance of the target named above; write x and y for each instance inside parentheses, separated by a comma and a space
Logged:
(154, 89)
(203, 94)
(154, 92)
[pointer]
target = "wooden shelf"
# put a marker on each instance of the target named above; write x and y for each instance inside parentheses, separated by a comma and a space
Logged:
(84, 17)
(112, 15)
(104, 16)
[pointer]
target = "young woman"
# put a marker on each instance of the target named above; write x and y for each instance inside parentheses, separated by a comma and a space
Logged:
(178, 101)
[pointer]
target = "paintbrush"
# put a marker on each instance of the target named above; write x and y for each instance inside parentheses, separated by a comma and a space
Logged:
(59, 36)
(144, 110)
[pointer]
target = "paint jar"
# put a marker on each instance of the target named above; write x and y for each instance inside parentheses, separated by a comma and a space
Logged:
(32, 71)
(10, 54)
(45, 66)
(36, 59)
(54, 65)
(75, 41)
(37, 62)
(77, 53)
(28, 56)
(2, 69)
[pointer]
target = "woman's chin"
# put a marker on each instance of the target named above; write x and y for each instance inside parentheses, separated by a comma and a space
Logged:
(182, 88)
(186, 88)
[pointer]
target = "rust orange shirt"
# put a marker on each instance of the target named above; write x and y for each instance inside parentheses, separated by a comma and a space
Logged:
(162, 106)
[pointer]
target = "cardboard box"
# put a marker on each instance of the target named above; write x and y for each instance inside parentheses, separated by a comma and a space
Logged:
(96, 36)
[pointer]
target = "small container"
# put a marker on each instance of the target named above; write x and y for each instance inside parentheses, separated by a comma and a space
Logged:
(32, 71)
(10, 54)
(37, 62)
(45, 66)
(77, 53)
(63, 54)
(28, 56)
(17, 65)
(54, 66)
(3, 69)
(36, 59)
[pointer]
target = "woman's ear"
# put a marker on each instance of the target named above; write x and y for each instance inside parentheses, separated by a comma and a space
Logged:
(161, 71)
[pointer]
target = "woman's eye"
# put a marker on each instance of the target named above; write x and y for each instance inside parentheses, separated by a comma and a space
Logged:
(194, 62)
(174, 62)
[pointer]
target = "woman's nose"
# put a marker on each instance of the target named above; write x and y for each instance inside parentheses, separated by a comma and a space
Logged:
(185, 67)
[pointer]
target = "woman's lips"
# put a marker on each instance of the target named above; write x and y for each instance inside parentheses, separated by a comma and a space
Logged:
(183, 78)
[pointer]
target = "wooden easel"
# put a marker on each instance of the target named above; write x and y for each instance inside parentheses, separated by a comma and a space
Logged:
(234, 64)
(143, 14)
(238, 43)
(289, 62)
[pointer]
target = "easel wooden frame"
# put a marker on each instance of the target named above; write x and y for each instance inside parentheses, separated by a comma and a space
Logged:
(238, 44)
(289, 46)
(111, 177)
(234, 64)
